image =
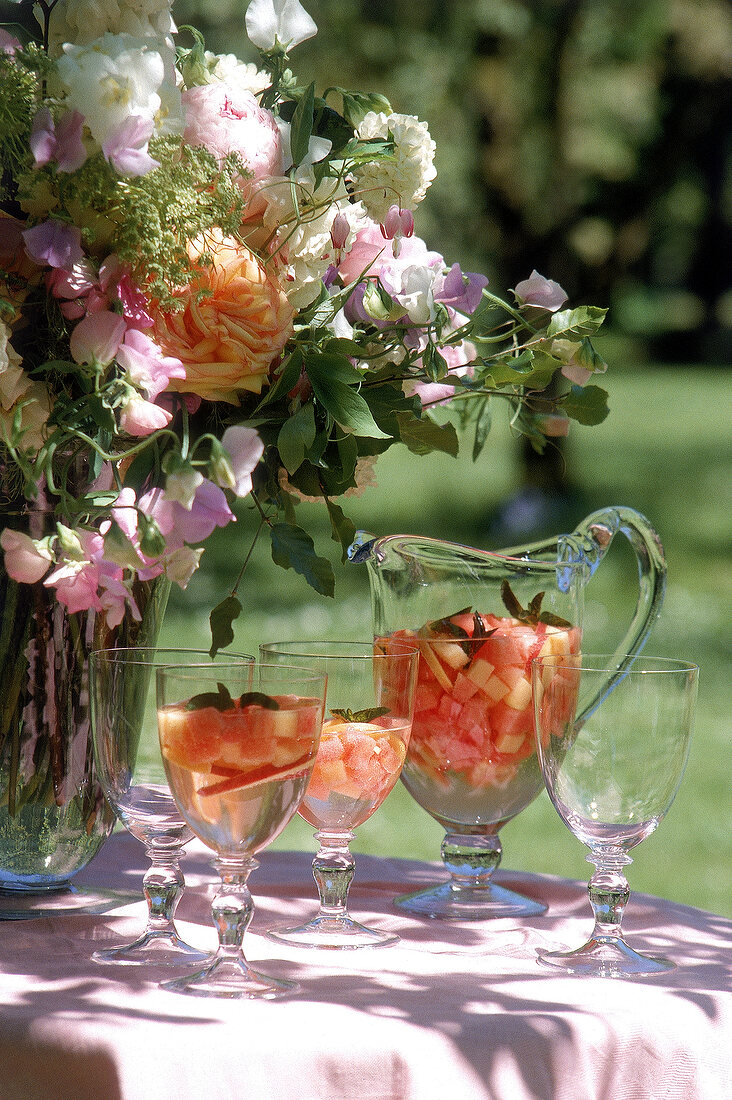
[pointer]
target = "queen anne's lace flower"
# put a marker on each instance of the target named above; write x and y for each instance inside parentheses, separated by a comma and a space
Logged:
(402, 180)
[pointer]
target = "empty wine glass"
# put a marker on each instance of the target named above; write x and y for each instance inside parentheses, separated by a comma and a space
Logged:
(612, 776)
(127, 753)
(238, 762)
(362, 749)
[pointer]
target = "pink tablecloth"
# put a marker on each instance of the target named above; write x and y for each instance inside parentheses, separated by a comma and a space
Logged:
(454, 1010)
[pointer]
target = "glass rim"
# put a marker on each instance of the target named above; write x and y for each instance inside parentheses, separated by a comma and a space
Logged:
(147, 655)
(300, 673)
(608, 663)
(319, 650)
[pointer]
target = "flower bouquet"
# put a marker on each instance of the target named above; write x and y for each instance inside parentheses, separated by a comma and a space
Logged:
(211, 288)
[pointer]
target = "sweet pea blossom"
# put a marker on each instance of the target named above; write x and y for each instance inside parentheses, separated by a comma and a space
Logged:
(460, 290)
(180, 525)
(126, 147)
(540, 291)
(97, 337)
(60, 141)
(272, 23)
(54, 244)
(145, 365)
(26, 559)
(140, 417)
(245, 448)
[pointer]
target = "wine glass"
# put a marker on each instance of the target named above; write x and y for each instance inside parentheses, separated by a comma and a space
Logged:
(127, 753)
(471, 762)
(238, 762)
(362, 748)
(612, 776)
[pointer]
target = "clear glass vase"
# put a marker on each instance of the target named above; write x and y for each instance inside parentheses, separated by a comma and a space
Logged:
(53, 815)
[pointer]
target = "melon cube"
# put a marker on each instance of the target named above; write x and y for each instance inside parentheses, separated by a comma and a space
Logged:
(428, 653)
(509, 743)
(464, 688)
(496, 689)
(519, 696)
(452, 654)
(480, 672)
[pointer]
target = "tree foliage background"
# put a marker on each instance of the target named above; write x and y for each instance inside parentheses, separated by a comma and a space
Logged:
(588, 138)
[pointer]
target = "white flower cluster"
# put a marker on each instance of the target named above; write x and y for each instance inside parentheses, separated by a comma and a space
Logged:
(82, 21)
(236, 74)
(403, 180)
(305, 248)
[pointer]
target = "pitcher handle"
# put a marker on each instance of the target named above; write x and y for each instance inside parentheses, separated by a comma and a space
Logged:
(594, 536)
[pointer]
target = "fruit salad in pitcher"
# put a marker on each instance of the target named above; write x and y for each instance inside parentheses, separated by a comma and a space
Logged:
(472, 755)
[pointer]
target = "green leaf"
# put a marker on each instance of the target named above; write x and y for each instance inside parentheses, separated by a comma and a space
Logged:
(347, 407)
(301, 127)
(220, 700)
(220, 621)
(332, 366)
(286, 379)
(292, 548)
(296, 435)
(583, 321)
(587, 405)
(483, 421)
(342, 530)
(258, 699)
(422, 436)
(366, 715)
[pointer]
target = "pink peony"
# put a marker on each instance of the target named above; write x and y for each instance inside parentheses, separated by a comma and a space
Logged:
(225, 120)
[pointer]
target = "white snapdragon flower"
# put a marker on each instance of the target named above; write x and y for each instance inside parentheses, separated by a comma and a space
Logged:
(236, 74)
(306, 248)
(278, 22)
(404, 180)
(83, 21)
(111, 79)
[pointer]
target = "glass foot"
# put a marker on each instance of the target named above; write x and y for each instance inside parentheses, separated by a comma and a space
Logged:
(333, 934)
(153, 949)
(450, 902)
(28, 905)
(230, 977)
(603, 959)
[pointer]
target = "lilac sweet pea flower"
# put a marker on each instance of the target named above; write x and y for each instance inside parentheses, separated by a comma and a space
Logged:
(54, 244)
(460, 291)
(126, 147)
(61, 142)
(541, 292)
(283, 22)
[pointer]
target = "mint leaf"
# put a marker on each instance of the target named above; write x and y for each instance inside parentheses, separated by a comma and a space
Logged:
(258, 699)
(220, 700)
(366, 715)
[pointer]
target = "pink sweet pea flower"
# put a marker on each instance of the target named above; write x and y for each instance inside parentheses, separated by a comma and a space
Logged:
(8, 42)
(115, 598)
(554, 424)
(541, 292)
(114, 280)
(74, 283)
(140, 417)
(76, 585)
(54, 244)
(124, 513)
(60, 141)
(97, 337)
(245, 448)
(126, 147)
(24, 561)
(145, 364)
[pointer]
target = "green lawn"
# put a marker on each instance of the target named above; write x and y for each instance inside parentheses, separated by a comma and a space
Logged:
(665, 449)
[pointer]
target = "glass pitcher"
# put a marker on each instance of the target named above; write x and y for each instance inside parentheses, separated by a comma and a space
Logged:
(480, 618)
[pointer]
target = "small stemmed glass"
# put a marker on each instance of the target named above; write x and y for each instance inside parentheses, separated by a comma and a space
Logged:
(238, 762)
(127, 754)
(362, 749)
(612, 775)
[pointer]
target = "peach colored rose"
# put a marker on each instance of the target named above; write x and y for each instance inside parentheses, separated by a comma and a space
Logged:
(228, 340)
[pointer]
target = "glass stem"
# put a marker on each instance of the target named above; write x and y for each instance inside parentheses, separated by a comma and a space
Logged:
(471, 860)
(232, 908)
(333, 869)
(609, 892)
(162, 885)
